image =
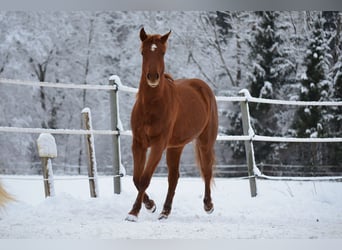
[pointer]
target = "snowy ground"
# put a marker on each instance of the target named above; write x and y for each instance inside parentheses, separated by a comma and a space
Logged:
(282, 210)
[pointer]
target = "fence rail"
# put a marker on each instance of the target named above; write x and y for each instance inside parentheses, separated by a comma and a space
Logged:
(57, 85)
(129, 133)
(116, 86)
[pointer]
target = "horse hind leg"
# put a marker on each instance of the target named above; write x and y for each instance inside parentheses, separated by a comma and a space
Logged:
(205, 155)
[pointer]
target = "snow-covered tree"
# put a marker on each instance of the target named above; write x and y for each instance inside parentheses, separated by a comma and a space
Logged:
(333, 29)
(87, 47)
(271, 62)
(271, 67)
(314, 84)
(332, 118)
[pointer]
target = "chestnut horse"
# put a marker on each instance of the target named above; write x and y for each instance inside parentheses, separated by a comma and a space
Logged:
(168, 114)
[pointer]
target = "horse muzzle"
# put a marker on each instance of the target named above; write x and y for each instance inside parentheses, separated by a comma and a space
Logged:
(153, 84)
(153, 80)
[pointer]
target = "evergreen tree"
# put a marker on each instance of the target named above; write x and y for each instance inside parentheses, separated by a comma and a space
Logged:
(270, 71)
(333, 27)
(336, 112)
(314, 84)
(224, 27)
(338, 87)
(335, 119)
(263, 54)
(271, 63)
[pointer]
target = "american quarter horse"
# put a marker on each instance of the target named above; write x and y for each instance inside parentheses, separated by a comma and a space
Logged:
(167, 115)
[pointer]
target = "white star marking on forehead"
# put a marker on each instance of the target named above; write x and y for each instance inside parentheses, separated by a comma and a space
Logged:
(153, 47)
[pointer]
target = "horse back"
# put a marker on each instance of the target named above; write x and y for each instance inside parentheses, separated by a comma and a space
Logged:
(195, 94)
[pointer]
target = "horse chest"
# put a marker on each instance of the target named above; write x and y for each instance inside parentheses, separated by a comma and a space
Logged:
(154, 121)
(151, 119)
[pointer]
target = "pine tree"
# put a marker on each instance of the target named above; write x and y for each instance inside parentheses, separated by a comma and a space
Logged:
(261, 51)
(334, 120)
(314, 84)
(337, 81)
(271, 63)
(224, 28)
(269, 72)
(333, 26)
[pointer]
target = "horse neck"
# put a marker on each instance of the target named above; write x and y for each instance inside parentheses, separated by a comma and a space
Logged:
(153, 94)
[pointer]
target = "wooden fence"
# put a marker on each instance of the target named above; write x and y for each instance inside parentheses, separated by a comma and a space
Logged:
(115, 86)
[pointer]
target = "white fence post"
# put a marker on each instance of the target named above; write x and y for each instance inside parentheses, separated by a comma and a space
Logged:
(114, 81)
(92, 165)
(47, 149)
(248, 130)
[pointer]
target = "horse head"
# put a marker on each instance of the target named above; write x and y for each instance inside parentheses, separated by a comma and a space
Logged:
(153, 48)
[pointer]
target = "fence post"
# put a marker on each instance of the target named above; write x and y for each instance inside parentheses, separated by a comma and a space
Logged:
(248, 130)
(47, 150)
(114, 81)
(90, 143)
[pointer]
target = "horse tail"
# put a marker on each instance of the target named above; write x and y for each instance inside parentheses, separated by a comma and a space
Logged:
(206, 160)
(4, 196)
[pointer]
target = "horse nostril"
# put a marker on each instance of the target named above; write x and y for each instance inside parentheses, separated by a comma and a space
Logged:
(152, 77)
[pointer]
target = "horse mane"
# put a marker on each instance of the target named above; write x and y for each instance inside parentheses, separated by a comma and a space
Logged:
(168, 77)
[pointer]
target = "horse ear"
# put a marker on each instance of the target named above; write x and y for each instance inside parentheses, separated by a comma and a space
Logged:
(165, 37)
(143, 35)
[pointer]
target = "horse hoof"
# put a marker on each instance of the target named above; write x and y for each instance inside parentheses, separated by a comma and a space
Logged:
(162, 216)
(152, 209)
(131, 218)
(209, 210)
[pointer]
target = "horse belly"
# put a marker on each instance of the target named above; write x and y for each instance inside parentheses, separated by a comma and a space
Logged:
(190, 123)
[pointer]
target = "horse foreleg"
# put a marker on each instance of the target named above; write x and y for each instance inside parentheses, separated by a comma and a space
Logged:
(139, 159)
(144, 181)
(172, 159)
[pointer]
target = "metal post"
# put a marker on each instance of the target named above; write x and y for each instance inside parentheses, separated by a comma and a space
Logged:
(116, 138)
(248, 130)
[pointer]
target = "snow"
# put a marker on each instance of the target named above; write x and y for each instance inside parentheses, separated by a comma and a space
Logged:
(47, 145)
(307, 111)
(282, 210)
(266, 90)
(116, 79)
(314, 134)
